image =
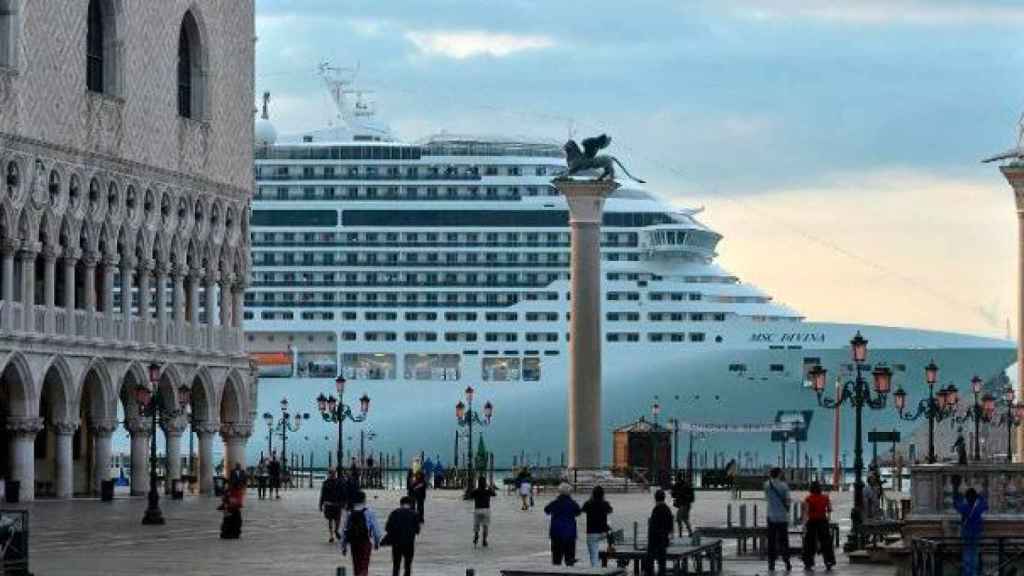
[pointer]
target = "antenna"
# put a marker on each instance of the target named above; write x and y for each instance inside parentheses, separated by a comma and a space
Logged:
(266, 104)
(338, 80)
(1020, 130)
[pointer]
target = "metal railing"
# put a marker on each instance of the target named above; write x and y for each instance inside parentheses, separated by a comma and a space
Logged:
(1000, 556)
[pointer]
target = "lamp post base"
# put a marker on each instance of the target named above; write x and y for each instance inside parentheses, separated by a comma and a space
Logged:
(153, 517)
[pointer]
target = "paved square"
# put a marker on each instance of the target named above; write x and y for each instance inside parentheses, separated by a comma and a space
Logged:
(288, 536)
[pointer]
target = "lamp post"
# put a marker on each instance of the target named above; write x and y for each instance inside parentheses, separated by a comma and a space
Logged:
(858, 394)
(335, 410)
(655, 412)
(936, 407)
(1013, 417)
(288, 422)
(466, 417)
(149, 404)
(978, 412)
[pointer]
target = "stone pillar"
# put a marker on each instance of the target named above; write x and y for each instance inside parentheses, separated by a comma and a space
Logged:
(107, 297)
(586, 203)
(127, 270)
(237, 299)
(206, 432)
(161, 303)
(7, 286)
(28, 285)
(225, 300)
(89, 261)
(193, 297)
(172, 436)
(64, 464)
(101, 437)
(22, 434)
(49, 286)
(178, 280)
(140, 430)
(235, 436)
(211, 285)
(1014, 173)
(70, 259)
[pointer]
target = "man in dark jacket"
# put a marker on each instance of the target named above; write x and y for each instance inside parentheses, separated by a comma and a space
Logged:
(659, 532)
(330, 503)
(400, 532)
(274, 470)
(563, 511)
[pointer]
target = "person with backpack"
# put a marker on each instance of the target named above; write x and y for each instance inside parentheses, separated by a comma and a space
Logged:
(682, 499)
(361, 533)
(563, 511)
(481, 496)
(971, 507)
(660, 527)
(331, 502)
(400, 533)
(776, 492)
(817, 533)
(596, 510)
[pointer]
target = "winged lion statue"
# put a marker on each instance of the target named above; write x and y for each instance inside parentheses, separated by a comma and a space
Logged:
(586, 159)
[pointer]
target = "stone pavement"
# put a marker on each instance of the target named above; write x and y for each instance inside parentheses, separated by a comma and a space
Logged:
(288, 536)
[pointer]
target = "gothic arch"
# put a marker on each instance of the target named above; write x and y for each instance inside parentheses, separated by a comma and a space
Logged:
(233, 399)
(95, 389)
(16, 386)
(204, 396)
(57, 390)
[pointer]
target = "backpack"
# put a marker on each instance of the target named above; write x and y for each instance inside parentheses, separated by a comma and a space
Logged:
(358, 530)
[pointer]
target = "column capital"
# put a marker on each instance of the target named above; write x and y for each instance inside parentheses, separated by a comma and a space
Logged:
(51, 252)
(71, 253)
(90, 259)
(197, 274)
(144, 264)
(103, 427)
(9, 246)
(29, 247)
(110, 260)
(207, 427)
(24, 426)
(585, 197)
(139, 426)
(235, 430)
(127, 261)
(162, 269)
(64, 428)
(174, 427)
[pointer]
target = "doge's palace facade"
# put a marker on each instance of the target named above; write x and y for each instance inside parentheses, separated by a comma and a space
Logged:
(125, 178)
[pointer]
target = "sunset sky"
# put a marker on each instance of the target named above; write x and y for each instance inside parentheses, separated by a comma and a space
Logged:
(835, 145)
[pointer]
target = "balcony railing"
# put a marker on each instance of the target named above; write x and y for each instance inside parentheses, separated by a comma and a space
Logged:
(59, 324)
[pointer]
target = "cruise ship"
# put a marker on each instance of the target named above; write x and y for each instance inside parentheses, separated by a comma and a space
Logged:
(415, 270)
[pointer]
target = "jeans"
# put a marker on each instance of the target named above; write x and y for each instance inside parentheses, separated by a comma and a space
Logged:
(778, 542)
(969, 557)
(593, 547)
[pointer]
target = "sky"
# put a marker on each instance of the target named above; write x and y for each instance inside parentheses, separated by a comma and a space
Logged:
(836, 145)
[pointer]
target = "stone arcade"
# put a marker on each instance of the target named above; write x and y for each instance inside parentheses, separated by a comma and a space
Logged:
(125, 178)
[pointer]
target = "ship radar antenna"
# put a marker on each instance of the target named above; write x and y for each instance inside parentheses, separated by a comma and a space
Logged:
(266, 106)
(338, 82)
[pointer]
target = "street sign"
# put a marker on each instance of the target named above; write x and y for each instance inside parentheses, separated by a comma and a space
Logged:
(884, 436)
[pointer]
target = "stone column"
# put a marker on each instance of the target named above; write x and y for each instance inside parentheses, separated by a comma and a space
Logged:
(586, 203)
(235, 436)
(140, 430)
(89, 261)
(172, 436)
(237, 299)
(206, 432)
(50, 286)
(127, 270)
(193, 296)
(144, 267)
(101, 437)
(28, 285)
(1014, 173)
(161, 303)
(211, 284)
(63, 458)
(178, 280)
(225, 300)
(70, 259)
(107, 297)
(22, 433)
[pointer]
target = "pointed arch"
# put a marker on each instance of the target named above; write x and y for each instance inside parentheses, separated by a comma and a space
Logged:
(234, 403)
(101, 74)
(57, 391)
(26, 228)
(16, 386)
(192, 66)
(204, 396)
(95, 397)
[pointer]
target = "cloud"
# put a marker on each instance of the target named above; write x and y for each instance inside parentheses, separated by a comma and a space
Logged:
(471, 43)
(881, 12)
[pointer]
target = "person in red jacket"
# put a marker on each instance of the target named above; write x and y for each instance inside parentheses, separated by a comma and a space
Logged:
(817, 533)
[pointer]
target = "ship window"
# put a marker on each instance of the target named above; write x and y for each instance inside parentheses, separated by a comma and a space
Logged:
(777, 368)
(432, 367)
(696, 336)
(501, 369)
(368, 366)
(737, 367)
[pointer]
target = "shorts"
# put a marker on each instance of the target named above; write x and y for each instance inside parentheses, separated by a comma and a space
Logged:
(481, 517)
(332, 511)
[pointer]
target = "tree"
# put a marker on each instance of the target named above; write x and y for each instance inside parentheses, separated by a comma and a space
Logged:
(482, 458)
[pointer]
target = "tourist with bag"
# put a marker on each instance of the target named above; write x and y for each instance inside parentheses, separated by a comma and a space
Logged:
(776, 492)
(596, 510)
(682, 498)
(331, 502)
(361, 533)
(817, 531)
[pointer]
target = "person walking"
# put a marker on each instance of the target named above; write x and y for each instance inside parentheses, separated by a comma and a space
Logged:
(481, 509)
(234, 499)
(419, 494)
(596, 510)
(563, 511)
(525, 488)
(682, 498)
(274, 470)
(817, 533)
(660, 528)
(361, 533)
(400, 533)
(331, 502)
(972, 507)
(261, 479)
(776, 492)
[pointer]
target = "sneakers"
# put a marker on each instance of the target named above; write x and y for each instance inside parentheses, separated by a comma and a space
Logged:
(485, 542)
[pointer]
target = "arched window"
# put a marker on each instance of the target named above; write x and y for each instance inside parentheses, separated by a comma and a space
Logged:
(190, 76)
(94, 48)
(8, 33)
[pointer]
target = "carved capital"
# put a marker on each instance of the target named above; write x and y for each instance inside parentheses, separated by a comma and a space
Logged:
(585, 198)
(139, 427)
(208, 427)
(9, 246)
(29, 249)
(103, 427)
(235, 430)
(110, 261)
(144, 265)
(174, 427)
(127, 262)
(63, 428)
(71, 253)
(24, 426)
(51, 252)
(90, 259)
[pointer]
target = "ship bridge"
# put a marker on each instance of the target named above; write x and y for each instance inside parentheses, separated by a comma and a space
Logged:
(678, 240)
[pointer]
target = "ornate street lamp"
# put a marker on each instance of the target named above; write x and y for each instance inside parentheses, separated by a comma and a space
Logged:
(466, 417)
(655, 412)
(335, 410)
(147, 399)
(980, 411)
(858, 394)
(286, 423)
(936, 407)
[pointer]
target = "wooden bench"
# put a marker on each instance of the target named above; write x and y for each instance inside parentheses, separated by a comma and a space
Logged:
(684, 559)
(754, 539)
